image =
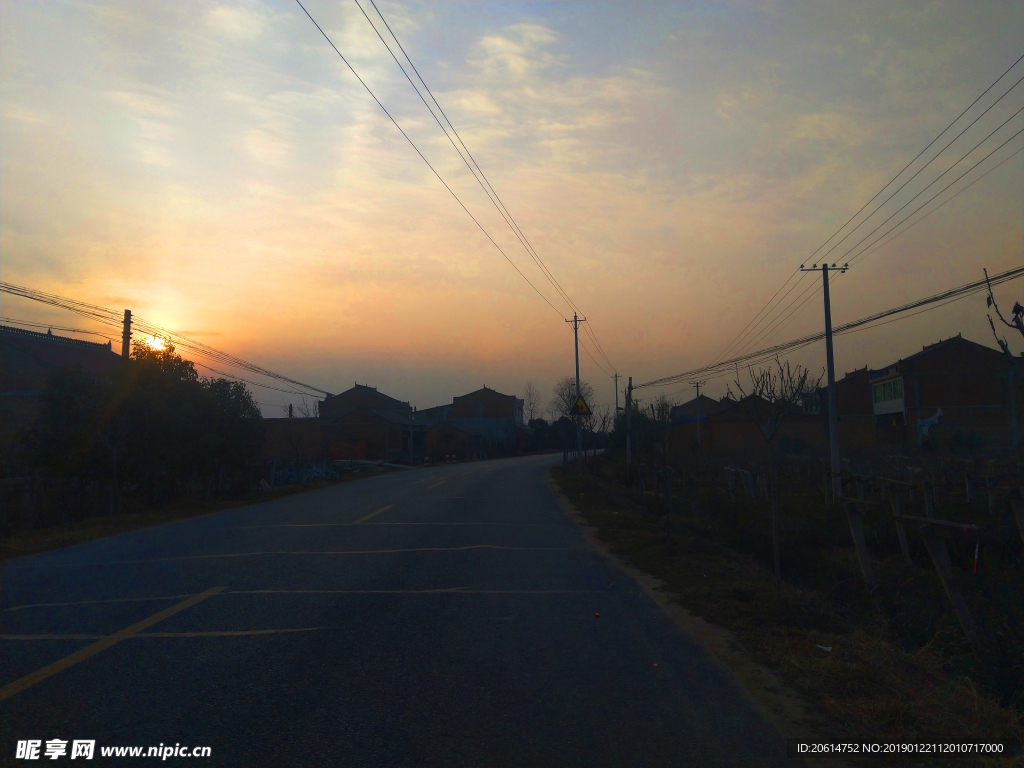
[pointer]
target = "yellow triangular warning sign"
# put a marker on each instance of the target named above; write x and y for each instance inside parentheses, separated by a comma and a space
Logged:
(580, 407)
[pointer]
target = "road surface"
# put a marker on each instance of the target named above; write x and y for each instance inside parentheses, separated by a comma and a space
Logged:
(437, 617)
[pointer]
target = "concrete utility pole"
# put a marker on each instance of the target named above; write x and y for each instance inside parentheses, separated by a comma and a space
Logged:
(126, 335)
(629, 431)
(616, 377)
(833, 415)
(579, 434)
(698, 385)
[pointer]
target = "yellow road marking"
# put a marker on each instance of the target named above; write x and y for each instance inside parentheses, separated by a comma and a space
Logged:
(101, 645)
(435, 485)
(373, 514)
(230, 633)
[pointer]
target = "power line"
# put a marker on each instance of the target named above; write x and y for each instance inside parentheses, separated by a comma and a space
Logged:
(253, 383)
(785, 319)
(113, 318)
(884, 187)
(934, 157)
(474, 167)
(963, 290)
(29, 324)
(423, 157)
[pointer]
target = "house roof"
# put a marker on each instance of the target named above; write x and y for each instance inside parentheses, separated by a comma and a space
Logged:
(943, 345)
(688, 411)
(376, 415)
(28, 357)
(485, 391)
(365, 393)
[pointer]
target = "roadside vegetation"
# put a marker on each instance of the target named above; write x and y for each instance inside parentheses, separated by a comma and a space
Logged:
(147, 443)
(887, 663)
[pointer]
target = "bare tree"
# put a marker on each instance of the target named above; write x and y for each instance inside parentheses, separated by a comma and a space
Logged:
(775, 393)
(1017, 322)
(602, 420)
(662, 408)
(531, 402)
(564, 396)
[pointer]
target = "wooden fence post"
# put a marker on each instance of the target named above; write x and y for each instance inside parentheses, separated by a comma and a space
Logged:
(988, 489)
(929, 499)
(939, 554)
(894, 499)
(668, 501)
(1017, 504)
(856, 521)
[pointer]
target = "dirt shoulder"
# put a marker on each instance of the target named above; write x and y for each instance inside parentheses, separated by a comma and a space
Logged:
(812, 676)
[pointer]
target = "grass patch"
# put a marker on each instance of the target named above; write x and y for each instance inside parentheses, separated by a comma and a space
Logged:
(866, 686)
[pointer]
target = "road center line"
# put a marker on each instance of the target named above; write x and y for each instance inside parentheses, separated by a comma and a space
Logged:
(143, 635)
(429, 487)
(372, 514)
(308, 552)
(342, 525)
(101, 645)
(441, 590)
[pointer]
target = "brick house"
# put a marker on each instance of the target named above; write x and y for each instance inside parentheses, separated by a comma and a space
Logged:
(27, 358)
(954, 392)
(362, 423)
(729, 434)
(495, 417)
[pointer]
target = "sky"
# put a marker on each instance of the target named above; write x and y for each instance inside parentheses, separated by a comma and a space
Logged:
(219, 170)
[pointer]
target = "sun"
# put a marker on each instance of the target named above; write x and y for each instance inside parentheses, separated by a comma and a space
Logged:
(156, 343)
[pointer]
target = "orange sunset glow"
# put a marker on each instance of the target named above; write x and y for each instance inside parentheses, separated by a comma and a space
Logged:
(219, 171)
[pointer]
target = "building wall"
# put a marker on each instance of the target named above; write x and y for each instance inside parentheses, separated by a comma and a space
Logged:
(445, 439)
(487, 403)
(361, 396)
(970, 383)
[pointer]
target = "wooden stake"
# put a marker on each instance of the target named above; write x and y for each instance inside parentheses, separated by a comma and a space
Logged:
(856, 522)
(939, 554)
(894, 499)
(929, 499)
(1017, 504)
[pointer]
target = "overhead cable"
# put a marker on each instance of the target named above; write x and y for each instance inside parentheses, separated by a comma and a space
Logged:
(423, 157)
(474, 167)
(113, 318)
(963, 290)
(745, 331)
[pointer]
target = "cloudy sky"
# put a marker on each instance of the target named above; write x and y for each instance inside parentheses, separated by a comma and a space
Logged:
(220, 171)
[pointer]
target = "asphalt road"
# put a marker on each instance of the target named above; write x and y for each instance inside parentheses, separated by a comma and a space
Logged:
(441, 616)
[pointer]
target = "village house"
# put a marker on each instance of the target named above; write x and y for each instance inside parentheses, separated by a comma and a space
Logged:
(362, 423)
(496, 418)
(953, 395)
(27, 359)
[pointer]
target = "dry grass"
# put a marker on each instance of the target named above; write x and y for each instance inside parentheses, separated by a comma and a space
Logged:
(865, 687)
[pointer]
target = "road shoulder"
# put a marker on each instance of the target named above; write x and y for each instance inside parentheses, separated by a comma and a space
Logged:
(786, 710)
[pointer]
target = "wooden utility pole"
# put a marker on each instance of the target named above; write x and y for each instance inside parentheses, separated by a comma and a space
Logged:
(579, 433)
(629, 431)
(126, 335)
(616, 377)
(833, 415)
(698, 385)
